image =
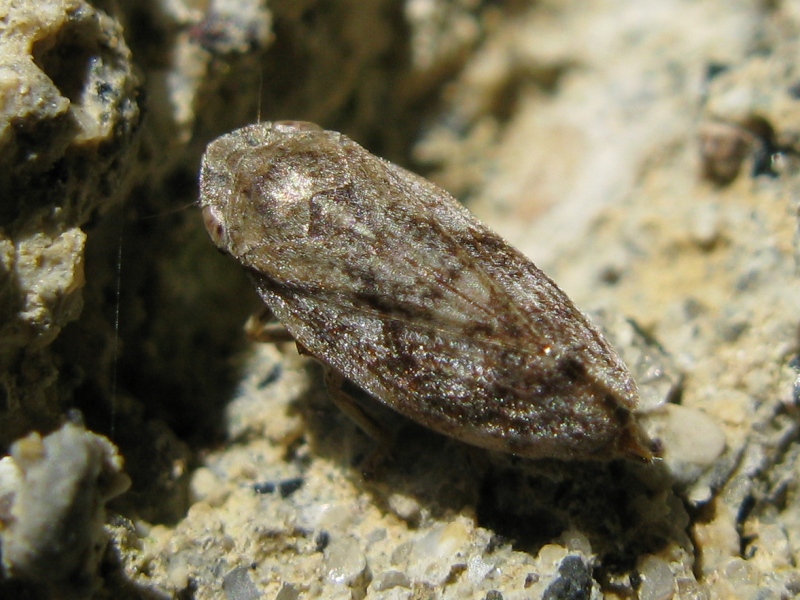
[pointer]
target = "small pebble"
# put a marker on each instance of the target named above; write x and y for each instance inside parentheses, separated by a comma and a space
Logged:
(690, 438)
(390, 579)
(238, 585)
(207, 487)
(740, 573)
(405, 507)
(689, 589)
(478, 569)
(530, 579)
(574, 581)
(576, 542)
(658, 582)
(285, 487)
(288, 592)
(345, 562)
(434, 554)
(723, 148)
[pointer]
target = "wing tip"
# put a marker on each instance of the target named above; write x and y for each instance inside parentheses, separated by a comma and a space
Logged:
(633, 444)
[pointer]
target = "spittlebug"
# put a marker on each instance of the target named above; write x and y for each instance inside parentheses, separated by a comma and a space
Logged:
(393, 285)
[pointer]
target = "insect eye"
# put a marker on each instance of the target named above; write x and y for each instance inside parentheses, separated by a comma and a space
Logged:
(215, 228)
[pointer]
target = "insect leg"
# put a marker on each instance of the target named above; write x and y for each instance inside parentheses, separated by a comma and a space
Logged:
(260, 327)
(350, 407)
(335, 381)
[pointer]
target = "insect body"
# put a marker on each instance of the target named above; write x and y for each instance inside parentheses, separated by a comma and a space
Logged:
(389, 281)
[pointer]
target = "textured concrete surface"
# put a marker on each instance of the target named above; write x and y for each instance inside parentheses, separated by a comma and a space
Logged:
(643, 154)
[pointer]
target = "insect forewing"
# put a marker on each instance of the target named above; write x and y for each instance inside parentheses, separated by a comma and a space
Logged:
(388, 279)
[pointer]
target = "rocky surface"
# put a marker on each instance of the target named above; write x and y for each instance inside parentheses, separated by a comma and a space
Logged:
(644, 155)
(68, 118)
(53, 493)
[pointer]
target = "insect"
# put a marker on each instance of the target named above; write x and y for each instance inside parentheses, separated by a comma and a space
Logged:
(396, 287)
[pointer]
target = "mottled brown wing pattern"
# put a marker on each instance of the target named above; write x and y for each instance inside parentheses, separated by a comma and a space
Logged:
(487, 394)
(387, 279)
